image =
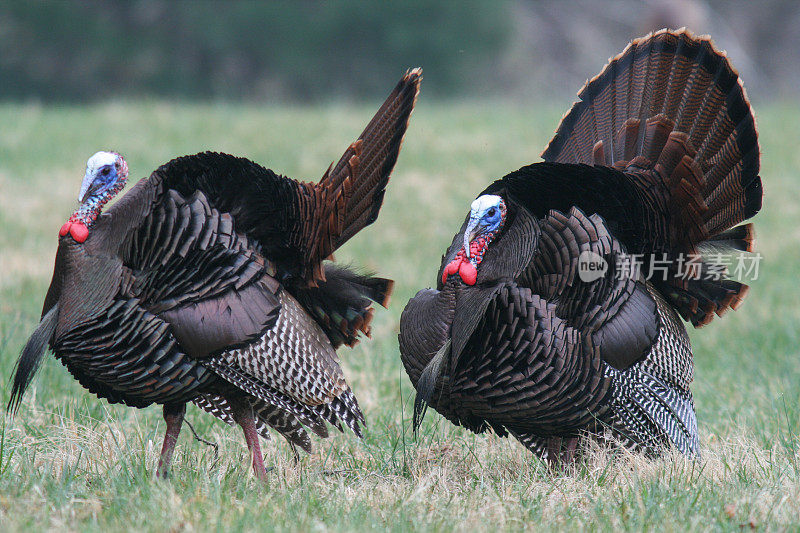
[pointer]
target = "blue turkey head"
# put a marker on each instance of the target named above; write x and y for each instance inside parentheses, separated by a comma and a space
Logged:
(106, 174)
(486, 217)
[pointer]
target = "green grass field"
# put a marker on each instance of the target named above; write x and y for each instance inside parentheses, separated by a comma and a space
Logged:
(71, 462)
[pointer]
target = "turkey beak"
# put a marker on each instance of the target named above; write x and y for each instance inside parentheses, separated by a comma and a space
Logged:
(473, 230)
(86, 186)
(88, 189)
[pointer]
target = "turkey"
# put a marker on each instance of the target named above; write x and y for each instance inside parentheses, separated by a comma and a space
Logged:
(557, 308)
(208, 283)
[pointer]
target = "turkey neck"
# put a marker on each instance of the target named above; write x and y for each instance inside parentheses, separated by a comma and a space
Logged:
(90, 209)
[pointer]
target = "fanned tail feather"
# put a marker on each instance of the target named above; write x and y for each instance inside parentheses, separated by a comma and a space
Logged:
(711, 291)
(741, 238)
(352, 190)
(342, 304)
(671, 112)
(375, 153)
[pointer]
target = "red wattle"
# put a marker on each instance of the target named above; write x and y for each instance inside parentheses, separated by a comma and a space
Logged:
(468, 273)
(451, 268)
(79, 231)
(64, 229)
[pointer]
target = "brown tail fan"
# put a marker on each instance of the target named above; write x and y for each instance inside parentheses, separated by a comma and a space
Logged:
(671, 112)
(352, 190)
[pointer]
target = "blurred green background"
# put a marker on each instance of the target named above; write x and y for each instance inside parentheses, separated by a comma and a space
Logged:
(346, 50)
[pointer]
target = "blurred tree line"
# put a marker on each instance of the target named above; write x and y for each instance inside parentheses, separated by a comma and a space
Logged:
(351, 49)
(296, 50)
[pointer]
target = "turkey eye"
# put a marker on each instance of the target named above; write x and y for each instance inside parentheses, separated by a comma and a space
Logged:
(492, 212)
(105, 171)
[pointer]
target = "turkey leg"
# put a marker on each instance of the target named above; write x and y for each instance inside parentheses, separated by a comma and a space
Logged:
(243, 415)
(173, 416)
(561, 451)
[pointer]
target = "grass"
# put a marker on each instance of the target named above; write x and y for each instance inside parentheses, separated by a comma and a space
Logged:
(71, 462)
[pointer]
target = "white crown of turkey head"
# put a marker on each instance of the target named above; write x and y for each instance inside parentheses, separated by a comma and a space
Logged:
(482, 203)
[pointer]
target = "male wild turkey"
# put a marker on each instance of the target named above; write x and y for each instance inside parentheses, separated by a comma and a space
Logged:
(657, 162)
(206, 283)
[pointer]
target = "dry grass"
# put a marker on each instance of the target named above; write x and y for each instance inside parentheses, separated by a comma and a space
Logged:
(71, 462)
